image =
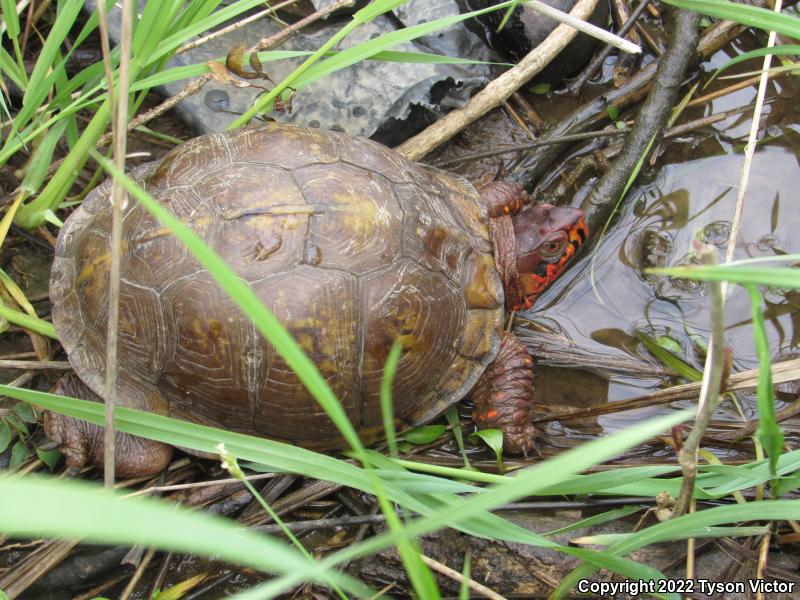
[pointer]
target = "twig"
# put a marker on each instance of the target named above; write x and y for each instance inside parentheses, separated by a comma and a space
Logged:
(316, 524)
(119, 108)
(199, 484)
(498, 90)
(763, 551)
(597, 62)
(782, 372)
(575, 137)
(458, 577)
(710, 390)
(99, 589)
(750, 149)
(532, 166)
(650, 120)
(126, 593)
(740, 85)
(57, 365)
(240, 23)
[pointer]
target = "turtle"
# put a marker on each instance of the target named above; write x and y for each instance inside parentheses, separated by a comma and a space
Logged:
(351, 246)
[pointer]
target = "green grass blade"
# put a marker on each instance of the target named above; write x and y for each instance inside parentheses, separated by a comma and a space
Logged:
(168, 45)
(793, 49)
(674, 362)
(611, 515)
(367, 49)
(28, 322)
(769, 433)
(155, 22)
(12, 69)
(42, 159)
(387, 412)
(37, 90)
(773, 277)
(525, 482)
(10, 24)
(95, 515)
(773, 510)
(606, 539)
(751, 16)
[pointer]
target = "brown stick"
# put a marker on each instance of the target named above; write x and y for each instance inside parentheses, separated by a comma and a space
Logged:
(476, 587)
(498, 90)
(782, 372)
(710, 392)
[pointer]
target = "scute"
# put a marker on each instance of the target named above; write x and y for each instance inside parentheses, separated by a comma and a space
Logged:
(357, 222)
(348, 243)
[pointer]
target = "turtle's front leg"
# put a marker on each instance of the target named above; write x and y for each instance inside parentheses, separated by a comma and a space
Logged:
(81, 442)
(503, 396)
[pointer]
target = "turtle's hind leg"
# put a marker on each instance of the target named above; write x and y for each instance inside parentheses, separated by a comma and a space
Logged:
(81, 442)
(503, 396)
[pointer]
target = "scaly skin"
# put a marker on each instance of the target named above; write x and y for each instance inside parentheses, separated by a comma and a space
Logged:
(532, 246)
(82, 442)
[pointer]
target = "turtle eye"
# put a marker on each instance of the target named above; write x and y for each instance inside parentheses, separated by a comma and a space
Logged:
(553, 247)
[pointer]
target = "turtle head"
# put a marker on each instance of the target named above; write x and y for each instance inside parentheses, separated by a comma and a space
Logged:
(547, 237)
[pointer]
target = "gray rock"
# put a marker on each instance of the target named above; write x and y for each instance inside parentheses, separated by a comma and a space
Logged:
(389, 101)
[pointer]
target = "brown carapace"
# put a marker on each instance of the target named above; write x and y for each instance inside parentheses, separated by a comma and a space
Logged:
(351, 246)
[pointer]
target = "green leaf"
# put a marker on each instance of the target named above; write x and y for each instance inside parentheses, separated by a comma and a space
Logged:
(613, 112)
(425, 434)
(49, 457)
(19, 454)
(669, 344)
(25, 412)
(5, 435)
(455, 426)
(540, 88)
(662, 348)
(403, 446)
(17, 424)
(494, 439)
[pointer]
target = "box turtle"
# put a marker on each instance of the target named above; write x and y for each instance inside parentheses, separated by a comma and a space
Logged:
(351, 246)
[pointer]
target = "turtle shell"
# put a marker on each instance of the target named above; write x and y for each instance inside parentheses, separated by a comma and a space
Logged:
(350, 245)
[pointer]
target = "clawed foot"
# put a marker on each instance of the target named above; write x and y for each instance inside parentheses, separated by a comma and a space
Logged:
(81, 442)
(503, 397)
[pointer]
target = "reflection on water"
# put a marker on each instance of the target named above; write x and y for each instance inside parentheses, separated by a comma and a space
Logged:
(607, 298)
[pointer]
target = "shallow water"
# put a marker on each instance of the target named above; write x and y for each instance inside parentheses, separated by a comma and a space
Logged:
(608, 297)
